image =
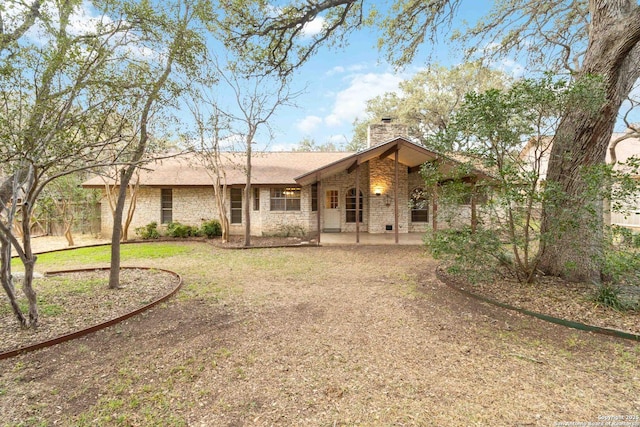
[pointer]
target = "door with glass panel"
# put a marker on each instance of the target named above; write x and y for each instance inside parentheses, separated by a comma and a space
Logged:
(331, 210)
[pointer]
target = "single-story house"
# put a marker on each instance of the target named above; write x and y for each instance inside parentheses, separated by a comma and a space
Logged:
(370, 191)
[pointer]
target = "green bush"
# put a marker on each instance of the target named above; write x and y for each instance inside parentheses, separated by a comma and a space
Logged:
(211, 228)
(288, 231)
(474, 255)
(175, 229)
(609, 296)
(149, 231)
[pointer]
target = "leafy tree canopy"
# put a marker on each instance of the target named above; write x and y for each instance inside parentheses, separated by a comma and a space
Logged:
(427, 100)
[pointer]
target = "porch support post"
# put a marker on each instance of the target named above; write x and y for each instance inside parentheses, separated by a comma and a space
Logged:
(396, 186)
(358, 207)
(320, 197)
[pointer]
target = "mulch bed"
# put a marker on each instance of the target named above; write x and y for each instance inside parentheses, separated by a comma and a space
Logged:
(557, 298)
(81, 310)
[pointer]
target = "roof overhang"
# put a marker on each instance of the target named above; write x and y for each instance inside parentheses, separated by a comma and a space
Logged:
(409, 154)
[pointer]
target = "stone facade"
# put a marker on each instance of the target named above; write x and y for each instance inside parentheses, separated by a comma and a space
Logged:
(382, 132)
(191, 206)
(194, 205)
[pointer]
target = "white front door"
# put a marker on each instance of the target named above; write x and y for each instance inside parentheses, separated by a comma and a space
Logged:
(331, 210)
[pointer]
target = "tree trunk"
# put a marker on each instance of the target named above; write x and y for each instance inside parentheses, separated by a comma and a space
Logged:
(572, 222)
(7, 280)
(29, 262)
(220, 192)
(67, 233)
(133, 199)
(247, 197)
(116, 234)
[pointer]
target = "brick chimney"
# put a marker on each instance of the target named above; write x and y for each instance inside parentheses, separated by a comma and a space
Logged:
(384, 131)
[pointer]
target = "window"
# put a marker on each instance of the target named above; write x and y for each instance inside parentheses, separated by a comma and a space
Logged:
(419, 205)
(236, 206)
(256, 199)
(350, 206)
(331, 200)
(314, 197)
(285, 199)
(166, 205)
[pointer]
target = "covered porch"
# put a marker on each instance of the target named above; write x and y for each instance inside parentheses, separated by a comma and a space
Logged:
(368, 197)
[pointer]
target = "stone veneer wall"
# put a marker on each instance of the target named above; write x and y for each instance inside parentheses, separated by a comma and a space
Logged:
(191, 205)
(381, 215)
(194, 205)
(382, 132)
(277, 222)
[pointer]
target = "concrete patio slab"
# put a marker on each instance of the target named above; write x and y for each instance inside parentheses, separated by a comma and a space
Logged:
(327, 239)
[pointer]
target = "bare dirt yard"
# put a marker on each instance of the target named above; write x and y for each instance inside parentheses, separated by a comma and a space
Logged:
(323, 336)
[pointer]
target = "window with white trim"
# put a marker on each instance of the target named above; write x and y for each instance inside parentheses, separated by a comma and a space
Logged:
(285, 199)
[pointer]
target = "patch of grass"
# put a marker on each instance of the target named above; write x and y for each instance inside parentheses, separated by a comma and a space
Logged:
(609, 296)
(50, 309)
(102, 255)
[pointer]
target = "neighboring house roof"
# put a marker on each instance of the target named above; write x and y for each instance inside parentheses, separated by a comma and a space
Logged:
(625, 149)
(410, 154)
(268, 168)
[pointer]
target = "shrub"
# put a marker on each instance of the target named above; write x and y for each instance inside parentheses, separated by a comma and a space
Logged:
(609, 296)
(149, 231)
(288, 231)
(211, 228)
(474, 255)
(175, 229)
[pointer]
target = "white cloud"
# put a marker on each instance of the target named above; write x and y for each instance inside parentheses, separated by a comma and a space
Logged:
(350, 103)
(511, 67)
(314, 27)
(84, 20)
(338, 69)
(309, 124)
(283, 147)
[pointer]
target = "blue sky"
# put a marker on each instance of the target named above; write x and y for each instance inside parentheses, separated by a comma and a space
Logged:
(340, 81)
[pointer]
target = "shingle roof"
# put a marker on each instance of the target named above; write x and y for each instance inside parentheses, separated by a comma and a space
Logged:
(410, 154)
(268, 168)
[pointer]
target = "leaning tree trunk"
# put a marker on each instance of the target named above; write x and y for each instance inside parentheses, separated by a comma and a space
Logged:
(29, 261)
(572, 222)
(7, 280)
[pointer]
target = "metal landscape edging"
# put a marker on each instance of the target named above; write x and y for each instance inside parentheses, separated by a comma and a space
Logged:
(567, 323)
(77, 334)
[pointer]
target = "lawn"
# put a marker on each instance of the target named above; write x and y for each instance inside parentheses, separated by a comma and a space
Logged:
(317, 336)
